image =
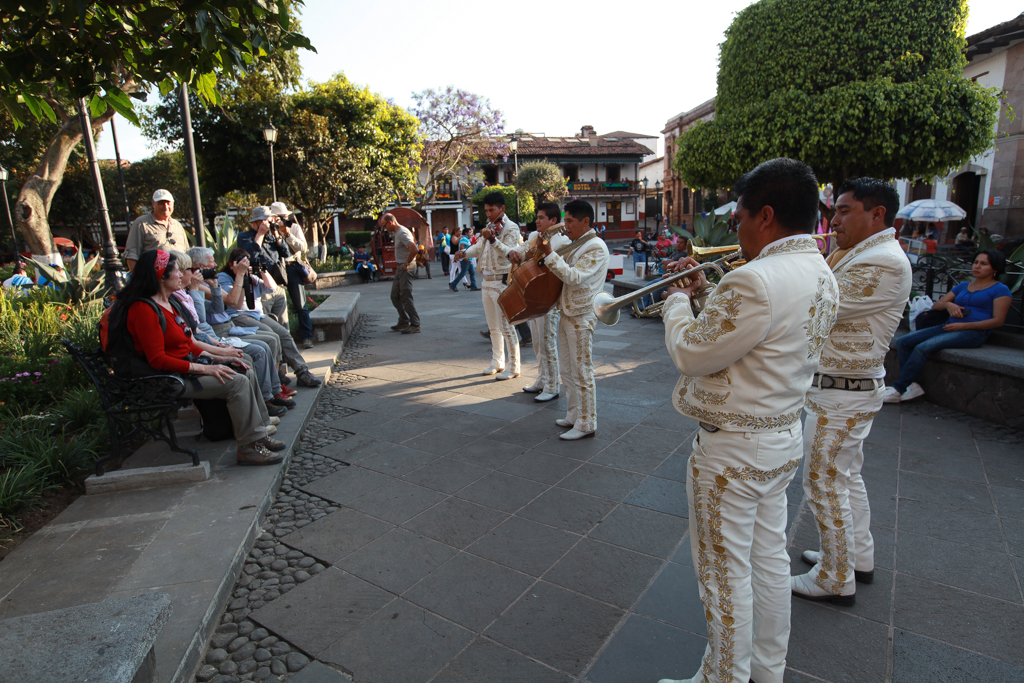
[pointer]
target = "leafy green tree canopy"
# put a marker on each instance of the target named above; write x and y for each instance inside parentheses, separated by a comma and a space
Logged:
(543, 180)
(526, 213)
(92, 49)
(852, 88)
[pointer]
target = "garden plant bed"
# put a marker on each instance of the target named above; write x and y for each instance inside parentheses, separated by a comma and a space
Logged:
(33, 518)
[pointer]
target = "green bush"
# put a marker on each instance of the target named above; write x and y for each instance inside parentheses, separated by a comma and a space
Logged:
(354, 238)
(527, 211)
(19, 486)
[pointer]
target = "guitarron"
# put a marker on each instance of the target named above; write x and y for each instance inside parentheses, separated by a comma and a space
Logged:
(532, 289)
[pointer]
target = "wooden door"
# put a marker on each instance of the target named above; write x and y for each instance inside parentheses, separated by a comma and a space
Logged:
(614, 214)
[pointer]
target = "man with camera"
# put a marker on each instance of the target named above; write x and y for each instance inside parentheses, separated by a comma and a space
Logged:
(289, 235)
(265, 254)
(156, 230)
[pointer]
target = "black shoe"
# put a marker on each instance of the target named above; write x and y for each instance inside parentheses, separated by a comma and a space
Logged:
(286, 403)
(453, 289)
(399, 327)
(525, 342)
(275, 411)
(306, 379)
(485, 334)
(474, 289)
(413, 329)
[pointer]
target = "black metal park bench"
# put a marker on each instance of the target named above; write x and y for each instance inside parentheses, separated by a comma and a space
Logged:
(134, 406)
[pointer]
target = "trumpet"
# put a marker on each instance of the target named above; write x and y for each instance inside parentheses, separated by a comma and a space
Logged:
(606, 307)
(824, 241)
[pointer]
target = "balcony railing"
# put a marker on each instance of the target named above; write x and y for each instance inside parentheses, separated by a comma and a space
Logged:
(617, 186)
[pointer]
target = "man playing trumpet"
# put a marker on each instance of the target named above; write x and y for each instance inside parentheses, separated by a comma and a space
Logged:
(747, 361)
(874, 285)
(545, 328)
(581, 265)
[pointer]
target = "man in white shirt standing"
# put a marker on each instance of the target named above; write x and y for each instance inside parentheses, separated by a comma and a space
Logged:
(581, 265)
(746, 362)
(874, 284)
(156, 230)
(491, 251)
(401, 288)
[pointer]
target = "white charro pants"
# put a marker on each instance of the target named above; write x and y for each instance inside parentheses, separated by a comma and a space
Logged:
(576, 340)
(737, 502)
(502, 333)
(837, 424)
(545, 347)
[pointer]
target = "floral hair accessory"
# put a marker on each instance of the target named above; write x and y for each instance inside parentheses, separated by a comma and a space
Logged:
(162, 258)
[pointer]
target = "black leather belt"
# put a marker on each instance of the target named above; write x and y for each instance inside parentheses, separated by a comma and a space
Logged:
(843, 383)
(709, 427)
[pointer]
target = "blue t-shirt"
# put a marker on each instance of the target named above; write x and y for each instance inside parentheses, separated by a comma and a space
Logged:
(227, 282)
(977, 305)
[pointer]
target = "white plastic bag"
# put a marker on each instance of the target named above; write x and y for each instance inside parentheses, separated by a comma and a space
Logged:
(918, 305)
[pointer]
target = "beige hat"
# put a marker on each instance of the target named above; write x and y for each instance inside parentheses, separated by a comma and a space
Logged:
(279, 209)
(163, 196)
(260, 213)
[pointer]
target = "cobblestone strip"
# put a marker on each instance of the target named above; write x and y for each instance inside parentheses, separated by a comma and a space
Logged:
(240, 650)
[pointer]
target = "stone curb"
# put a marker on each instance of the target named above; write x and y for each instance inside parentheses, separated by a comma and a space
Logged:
(147, 477)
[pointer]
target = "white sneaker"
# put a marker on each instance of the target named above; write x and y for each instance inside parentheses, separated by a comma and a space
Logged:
(562, 422)
(912, 392)
(535, 388)
(508, 374)
(803, 586)
(492, 369)
(811, 557)
(545, 397)
(271, 430)
(574, 435)
(274, 420)
(890, 396)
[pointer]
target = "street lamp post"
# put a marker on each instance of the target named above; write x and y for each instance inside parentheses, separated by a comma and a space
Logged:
(270, 135)
(513, 144)
(657, 200)
(644, 183)
(3, 187)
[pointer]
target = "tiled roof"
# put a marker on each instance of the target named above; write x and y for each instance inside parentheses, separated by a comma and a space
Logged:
(595, 146)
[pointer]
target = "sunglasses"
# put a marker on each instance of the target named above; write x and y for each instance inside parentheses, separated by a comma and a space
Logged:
(170, 238)
(181, 321)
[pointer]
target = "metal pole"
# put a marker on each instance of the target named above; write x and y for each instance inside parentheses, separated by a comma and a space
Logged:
(120, 174)
(193, 175)
(273, 178)
(516, 155)
(14, 235)
(111, 261)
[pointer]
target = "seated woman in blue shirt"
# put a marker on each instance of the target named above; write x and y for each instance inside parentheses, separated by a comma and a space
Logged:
(364, 266)
(975, 309)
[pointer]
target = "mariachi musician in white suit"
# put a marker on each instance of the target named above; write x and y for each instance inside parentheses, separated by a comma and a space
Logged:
(747, 361)
(545, 328)
(581, 265)
(874, 284)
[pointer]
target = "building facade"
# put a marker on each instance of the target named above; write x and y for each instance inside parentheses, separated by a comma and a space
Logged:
(678, 201)
(602, 170)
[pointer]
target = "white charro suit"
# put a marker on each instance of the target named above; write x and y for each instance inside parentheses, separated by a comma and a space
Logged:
(545, 328)
(747, 362)
(582, 270)
(492, 263)
(874, 285)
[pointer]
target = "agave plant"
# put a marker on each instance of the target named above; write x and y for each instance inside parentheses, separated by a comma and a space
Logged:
(77, 284)
(709, 230)
(227, 238)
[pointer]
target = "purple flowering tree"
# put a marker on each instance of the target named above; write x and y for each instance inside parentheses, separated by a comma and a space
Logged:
(459, 129)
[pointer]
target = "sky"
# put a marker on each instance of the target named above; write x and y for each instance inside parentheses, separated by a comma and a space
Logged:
(630, 71)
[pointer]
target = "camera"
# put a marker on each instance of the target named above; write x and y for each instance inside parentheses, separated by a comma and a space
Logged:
(259, 264)
(209, 273)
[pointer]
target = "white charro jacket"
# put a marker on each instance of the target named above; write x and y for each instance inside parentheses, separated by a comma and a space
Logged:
(582, 271)
(874, 285)
(748, 359)
(556, 241)
(492, 259)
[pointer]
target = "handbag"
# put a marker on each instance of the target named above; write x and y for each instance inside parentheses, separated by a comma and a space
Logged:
(931, 319)
(308, 274)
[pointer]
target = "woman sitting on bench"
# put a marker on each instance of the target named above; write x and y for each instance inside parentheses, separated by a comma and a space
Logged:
(168, 347)
(975, 309)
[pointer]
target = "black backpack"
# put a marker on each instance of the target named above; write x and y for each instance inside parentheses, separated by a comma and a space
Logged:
(215, 418)
(117, 342)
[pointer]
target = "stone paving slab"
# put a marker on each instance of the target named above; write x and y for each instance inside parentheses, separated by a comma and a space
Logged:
(499, 553)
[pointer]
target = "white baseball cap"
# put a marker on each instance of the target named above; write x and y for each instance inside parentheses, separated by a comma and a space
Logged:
(279, 209)
(260, 213)
(163, 196)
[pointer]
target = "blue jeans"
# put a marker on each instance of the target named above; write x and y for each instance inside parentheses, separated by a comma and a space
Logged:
(465, 266)
(295, 294)
(914, 349)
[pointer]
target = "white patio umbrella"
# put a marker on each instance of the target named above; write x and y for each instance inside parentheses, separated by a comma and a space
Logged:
(726, 209)
(927, 210)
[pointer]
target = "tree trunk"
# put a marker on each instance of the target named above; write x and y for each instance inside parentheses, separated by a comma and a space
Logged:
(31, 211)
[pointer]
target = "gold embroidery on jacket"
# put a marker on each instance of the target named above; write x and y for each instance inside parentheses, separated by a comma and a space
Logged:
(721, 374)
(753, 422)
(707, 328)
(852, 328)
(865, 364)
(748, 473)
(854, 347)
(710, 397)
(821, 316)
(801, 244)
(858, 282)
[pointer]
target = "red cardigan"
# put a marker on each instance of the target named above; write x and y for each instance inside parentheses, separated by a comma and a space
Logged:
(163, 350)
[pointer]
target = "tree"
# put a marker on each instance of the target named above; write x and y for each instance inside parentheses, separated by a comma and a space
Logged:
(543, 180)
(887, 99)
(332, 171)
(460, 128)
(107, 52)
(525, 213)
